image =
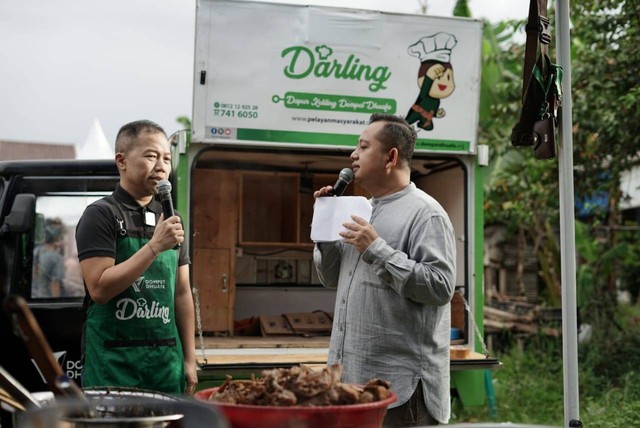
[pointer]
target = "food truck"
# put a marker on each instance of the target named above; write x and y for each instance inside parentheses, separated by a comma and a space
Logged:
(280, 95)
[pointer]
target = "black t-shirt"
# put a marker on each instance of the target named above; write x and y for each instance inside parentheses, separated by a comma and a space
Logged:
(97, 229)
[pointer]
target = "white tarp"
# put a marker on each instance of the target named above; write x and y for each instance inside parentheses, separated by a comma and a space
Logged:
(313, 75)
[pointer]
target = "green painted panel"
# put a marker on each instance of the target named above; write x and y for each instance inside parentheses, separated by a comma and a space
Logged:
(275, 136)
(470, 386)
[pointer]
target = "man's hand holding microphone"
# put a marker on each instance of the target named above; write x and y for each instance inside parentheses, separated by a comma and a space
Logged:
(344, 178)
(169, 233)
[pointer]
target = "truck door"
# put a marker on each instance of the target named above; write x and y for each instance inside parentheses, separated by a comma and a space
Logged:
(42, 262)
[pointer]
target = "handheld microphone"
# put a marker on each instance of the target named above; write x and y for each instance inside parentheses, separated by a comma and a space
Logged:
(344, 178)
(164, 196)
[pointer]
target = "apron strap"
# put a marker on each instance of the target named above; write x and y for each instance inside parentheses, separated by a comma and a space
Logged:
(137, 343)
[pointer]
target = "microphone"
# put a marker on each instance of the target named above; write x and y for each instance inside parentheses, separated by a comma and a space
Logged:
(164, 196)
(344, 178)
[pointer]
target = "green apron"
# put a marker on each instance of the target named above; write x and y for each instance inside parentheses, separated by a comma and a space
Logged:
(133, 341)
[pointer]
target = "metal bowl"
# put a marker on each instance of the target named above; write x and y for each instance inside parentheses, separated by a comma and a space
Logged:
(110, 408)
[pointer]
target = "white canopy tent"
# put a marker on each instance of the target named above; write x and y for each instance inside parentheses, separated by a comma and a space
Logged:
(95, 145)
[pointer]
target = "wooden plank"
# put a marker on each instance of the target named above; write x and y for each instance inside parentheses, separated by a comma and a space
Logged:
(497, 326)
(239, 342)
(315, 358)
(500, 315)
(320, 358)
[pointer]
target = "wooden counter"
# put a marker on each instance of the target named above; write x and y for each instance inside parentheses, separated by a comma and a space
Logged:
(285, 350)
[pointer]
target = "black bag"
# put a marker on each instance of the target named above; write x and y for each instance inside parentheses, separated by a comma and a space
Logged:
(542, 88)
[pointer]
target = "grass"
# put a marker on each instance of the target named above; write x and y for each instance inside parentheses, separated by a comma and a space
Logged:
(529, 387)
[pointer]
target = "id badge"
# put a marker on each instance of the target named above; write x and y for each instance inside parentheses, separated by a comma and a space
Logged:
(149, 218)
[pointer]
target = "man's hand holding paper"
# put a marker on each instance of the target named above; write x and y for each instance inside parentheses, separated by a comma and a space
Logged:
(360, 233)
(330, 214)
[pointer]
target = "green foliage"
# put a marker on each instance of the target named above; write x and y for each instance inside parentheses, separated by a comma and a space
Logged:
(609, 360)
(609, 374)
(501, 85)
(462, 9)
(521, 192)
(597, 261)
(529, 387)
(606, 84)
(597, 412)
(184, 121)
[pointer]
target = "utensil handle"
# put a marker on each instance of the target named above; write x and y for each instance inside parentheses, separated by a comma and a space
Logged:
(11, 401)
(28, 329)
(16, 390)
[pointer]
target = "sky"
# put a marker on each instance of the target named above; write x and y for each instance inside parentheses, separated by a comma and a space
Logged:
(66, 63)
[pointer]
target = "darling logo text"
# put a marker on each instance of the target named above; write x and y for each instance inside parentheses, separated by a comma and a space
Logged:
(303, 62)
(130, 308)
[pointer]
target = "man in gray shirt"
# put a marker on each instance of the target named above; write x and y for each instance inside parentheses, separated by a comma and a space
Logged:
(395, 278)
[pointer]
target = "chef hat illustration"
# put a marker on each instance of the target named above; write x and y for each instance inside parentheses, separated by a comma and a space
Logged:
(435, 47)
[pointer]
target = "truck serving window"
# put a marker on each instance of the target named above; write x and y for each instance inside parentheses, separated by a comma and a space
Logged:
(56, 270)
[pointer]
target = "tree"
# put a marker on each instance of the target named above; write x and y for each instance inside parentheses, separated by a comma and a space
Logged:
(462, 9)
(606, 107)
(523, 192)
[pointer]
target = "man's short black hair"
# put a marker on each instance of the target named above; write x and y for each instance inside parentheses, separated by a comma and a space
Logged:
(129, 132)
(396, 133)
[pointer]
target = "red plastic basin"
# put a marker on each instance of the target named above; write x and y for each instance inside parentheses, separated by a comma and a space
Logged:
(369, 415)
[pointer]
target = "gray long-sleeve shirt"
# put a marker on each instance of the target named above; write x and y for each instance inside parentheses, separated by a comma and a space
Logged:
(392, 316)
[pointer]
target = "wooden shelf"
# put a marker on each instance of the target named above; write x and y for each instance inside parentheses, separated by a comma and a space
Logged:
(292, 245)
(269, 207)
(252, 209)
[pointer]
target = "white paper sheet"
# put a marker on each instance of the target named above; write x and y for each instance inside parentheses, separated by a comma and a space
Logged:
(329, 213)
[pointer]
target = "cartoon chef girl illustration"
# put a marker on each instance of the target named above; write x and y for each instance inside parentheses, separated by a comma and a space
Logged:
(435, 77)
